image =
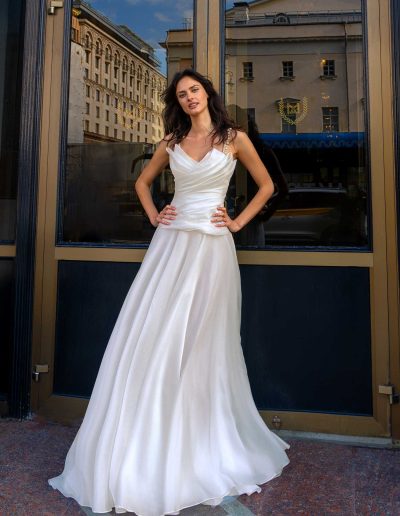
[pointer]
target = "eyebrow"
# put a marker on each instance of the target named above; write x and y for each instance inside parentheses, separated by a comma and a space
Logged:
(183, 91)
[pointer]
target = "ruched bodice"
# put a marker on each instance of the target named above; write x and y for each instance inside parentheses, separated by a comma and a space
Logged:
(200, 186)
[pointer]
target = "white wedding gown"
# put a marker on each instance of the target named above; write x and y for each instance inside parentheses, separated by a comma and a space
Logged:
(171, 421)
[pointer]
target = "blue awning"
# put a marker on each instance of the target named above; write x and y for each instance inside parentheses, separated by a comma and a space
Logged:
(314, 140)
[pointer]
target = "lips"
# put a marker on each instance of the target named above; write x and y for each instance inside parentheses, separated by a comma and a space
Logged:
(193, 105)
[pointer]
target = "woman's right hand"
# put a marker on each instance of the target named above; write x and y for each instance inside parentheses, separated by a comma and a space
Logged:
(167, 214)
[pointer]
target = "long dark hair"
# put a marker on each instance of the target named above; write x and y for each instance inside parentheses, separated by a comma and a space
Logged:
(177, 123)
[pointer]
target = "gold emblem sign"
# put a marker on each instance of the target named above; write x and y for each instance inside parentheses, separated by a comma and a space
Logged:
(288, 108)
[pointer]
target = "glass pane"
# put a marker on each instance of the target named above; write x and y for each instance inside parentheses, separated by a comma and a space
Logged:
(118, 69)
(11, 44)
(294, 80)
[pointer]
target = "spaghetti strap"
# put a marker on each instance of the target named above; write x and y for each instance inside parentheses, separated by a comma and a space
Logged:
(228, 141)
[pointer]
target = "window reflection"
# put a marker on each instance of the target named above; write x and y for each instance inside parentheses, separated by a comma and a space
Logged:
(296, 74)
(11, 42)
(117, 75)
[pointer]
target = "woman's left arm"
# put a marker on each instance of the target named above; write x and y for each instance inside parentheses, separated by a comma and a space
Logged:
(248, 156)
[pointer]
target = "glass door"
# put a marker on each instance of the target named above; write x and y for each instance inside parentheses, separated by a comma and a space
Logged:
(107, 66)
(297, 79)
(319, 313)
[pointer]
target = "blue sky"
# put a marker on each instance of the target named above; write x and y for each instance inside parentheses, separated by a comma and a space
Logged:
(150, 19)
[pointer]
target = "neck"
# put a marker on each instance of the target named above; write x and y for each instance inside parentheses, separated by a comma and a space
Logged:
(201, 124)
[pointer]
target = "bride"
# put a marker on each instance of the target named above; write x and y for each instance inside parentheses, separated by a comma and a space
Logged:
(171, 422)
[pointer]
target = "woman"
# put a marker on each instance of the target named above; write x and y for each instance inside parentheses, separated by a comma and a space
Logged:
(171, 421)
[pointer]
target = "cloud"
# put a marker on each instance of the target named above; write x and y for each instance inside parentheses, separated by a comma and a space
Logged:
(162, 17)
(184, 5)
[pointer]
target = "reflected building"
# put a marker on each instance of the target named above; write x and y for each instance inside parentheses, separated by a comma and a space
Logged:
(294, 76)
(179, 46)
(115, 82)
(296, 65)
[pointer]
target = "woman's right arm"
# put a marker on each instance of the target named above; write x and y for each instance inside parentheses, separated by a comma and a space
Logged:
(149, 173)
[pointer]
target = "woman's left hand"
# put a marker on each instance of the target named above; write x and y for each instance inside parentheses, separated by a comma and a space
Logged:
(221, 218)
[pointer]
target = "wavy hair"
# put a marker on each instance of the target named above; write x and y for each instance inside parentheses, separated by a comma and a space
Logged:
(178, 123)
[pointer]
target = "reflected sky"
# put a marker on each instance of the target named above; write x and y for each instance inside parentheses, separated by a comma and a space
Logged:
(149, 19)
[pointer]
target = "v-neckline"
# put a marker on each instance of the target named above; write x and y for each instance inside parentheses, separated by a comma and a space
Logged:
(205, 155)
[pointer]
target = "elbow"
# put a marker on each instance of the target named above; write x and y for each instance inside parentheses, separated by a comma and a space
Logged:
(137, 185)
(269, 189)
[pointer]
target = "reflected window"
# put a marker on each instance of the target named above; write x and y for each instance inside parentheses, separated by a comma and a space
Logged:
(287, 68)
(310, 132)
(281, 19)
(109, 142)
(328, 66)
(330, 119)
(248, 70)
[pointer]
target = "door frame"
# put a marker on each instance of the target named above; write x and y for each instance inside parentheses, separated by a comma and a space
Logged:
(22, 251)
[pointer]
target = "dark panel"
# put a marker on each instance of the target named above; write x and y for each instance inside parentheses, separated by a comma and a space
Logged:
(306, 338)
(11, 42)
(90, 296)
(6, 323)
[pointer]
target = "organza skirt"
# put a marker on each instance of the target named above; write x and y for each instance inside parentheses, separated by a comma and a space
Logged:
(171, 421)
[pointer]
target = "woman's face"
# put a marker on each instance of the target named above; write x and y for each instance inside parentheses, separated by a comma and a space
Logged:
(191, 96)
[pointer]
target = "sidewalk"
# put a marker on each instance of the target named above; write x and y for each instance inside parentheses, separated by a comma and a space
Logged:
(322, 478)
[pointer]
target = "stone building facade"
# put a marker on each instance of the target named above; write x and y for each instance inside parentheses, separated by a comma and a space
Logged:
(115, 82)
(296, 65)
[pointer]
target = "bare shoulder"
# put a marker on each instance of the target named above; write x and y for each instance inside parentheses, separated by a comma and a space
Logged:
(240, 138)
(240, 141)
(161, 147)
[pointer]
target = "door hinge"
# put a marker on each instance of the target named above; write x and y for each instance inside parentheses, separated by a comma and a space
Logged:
(388, 390)
(53, 5)
(38, 369)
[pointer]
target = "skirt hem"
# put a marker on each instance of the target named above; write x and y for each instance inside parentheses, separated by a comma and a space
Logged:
(176, 511)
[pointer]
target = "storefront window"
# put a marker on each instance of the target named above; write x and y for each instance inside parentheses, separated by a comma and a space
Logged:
(11, 30)
(294, 80)
(118, 70)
